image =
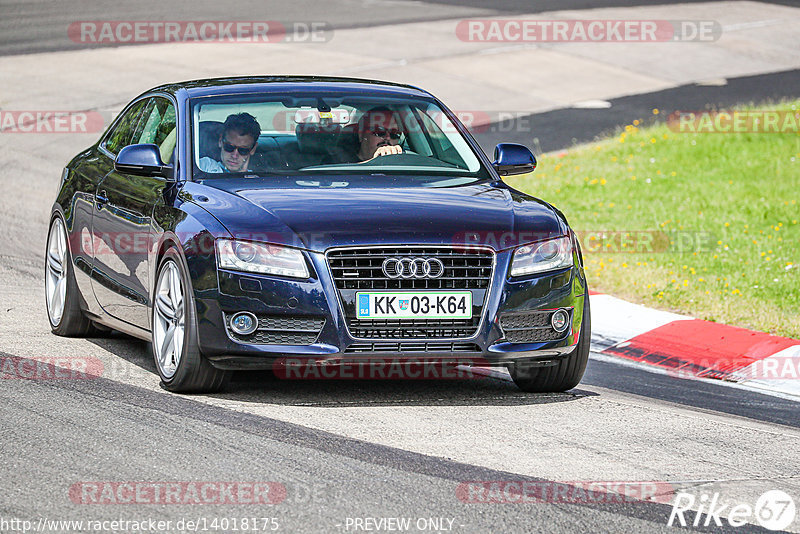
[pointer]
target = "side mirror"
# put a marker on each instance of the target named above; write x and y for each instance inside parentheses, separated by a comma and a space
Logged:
(511, 158)
(142, 160)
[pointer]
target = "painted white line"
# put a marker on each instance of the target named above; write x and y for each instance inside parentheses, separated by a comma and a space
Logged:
(592, 104)
(749, 25)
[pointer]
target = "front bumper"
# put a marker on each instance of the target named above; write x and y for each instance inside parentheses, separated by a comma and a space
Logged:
(315, 301)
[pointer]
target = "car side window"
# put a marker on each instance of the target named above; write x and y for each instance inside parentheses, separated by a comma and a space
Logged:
(442, 148)
(158, 127)
(123, 131)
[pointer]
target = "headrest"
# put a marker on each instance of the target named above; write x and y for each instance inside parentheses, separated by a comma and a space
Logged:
(209, 132)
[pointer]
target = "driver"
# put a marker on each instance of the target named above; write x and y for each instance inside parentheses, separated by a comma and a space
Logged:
(238, 141)
(379, 134)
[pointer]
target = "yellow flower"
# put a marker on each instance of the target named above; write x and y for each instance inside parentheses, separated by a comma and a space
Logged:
(603, 181)
(727, 224)
(655, 111)
(636, 122)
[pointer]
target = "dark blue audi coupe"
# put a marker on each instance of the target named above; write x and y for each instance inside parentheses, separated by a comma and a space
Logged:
(238, 222)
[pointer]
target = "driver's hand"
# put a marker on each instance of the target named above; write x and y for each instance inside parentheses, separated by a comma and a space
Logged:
(388, 150)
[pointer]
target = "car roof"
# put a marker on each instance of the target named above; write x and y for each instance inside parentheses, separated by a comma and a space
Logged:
(268, 84)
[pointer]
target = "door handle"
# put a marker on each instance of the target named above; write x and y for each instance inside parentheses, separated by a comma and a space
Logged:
(101, 198)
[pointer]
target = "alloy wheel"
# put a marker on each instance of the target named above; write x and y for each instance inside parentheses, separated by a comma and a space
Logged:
(169, 319)
(56, 277)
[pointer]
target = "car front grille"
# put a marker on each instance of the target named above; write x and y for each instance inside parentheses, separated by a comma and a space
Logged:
(360, 269)
(465, 268)
(530, 327)
(280, 330)
(412, 347)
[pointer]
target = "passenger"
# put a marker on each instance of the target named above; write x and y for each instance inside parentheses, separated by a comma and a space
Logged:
(238, 141)
(378, 134)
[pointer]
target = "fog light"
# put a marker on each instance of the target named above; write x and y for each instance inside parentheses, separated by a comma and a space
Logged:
(560, 320)
(244, 323)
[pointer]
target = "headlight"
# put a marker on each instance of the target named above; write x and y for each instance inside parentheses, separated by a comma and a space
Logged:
(541, 257)
(261, 258)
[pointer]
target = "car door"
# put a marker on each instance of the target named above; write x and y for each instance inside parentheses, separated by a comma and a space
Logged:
(89, 171)
(121, 222)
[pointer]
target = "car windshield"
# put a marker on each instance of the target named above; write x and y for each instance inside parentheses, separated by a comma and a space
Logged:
(359, 136)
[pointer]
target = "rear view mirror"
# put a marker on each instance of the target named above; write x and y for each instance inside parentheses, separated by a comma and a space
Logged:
(314, 116)
(511, 158)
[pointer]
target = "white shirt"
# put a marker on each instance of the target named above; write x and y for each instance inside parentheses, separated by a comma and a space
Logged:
(211, 165)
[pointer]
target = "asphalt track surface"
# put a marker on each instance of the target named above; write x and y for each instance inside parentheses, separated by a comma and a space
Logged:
(358, 449)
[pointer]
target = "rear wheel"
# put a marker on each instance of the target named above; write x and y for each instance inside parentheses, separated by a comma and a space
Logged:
(61, 291)
(564, 375)
(176, 351)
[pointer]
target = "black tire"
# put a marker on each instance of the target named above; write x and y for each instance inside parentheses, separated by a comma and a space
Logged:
(564, 375)
(193, 374)
(72, 322)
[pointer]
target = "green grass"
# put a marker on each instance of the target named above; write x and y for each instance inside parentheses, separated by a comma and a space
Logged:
(724, 210)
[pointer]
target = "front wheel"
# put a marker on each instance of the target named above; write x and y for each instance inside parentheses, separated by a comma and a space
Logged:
(176, 350)
(564, 375)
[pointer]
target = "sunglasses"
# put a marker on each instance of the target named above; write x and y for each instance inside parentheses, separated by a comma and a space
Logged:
(383, 132)
(227, 147)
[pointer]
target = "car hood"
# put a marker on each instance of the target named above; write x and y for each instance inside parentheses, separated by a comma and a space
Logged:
(318, 218)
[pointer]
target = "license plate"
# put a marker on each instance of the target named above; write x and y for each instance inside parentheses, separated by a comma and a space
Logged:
(414, 305)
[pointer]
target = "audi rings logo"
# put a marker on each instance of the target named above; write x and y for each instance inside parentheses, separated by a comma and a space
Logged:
(413, 268)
